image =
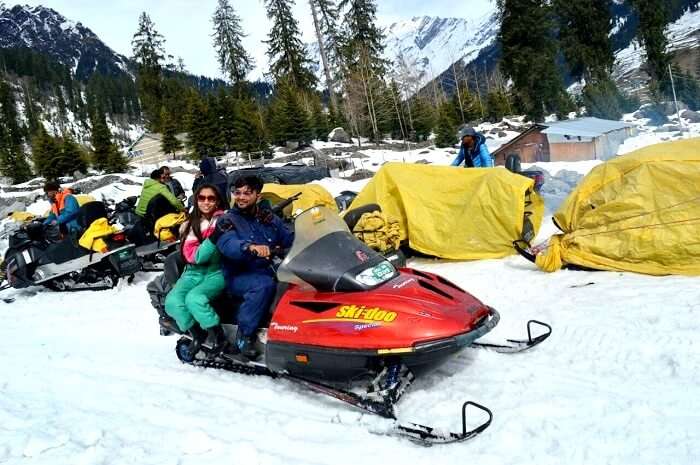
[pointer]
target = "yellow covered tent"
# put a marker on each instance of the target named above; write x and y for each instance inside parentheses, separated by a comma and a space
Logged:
(639, 212)
(456, 213)
(312, 195)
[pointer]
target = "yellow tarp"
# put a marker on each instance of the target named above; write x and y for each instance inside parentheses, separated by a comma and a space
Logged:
(312, 195)
(91, 238)
(163, 224)
(457, 213)
(639, 212)
(21, 217)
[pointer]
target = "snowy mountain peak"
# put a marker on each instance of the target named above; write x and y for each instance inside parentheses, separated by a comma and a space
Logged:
(45, 30)
(429, 45)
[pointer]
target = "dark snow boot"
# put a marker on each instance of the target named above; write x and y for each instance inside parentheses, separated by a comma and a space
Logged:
(217, 338)
(198, 336)
(245, 345)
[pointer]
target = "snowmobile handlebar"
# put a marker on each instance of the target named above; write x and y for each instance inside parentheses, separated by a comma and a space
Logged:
(277, 209)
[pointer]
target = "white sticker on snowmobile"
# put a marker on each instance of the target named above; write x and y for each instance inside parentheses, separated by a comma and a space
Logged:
(278, 327)
(404, 283)
(27, 256)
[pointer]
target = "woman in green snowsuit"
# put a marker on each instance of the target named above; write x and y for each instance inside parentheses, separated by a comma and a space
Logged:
(189, 300)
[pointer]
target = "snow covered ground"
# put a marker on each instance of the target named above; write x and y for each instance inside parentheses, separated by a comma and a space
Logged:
(85, 378)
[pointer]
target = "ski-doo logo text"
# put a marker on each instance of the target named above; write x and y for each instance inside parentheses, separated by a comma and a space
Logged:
(363, 313)
(290, 328)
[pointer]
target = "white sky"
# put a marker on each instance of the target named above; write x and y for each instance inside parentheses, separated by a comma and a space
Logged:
(186, 24)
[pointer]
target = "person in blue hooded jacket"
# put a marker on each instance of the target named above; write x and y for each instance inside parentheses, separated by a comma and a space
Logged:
(210, 174)
(473, 151)
(248, 233)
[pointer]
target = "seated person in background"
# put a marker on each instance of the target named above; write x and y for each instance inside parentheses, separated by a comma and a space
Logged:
(249, 232)
(189, 301)
(64, 208)
(173, 184)
(153, 187)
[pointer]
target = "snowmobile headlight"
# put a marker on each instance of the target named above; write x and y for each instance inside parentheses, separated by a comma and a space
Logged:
(377, 274)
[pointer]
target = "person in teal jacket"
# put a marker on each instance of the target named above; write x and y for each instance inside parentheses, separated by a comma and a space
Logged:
(189, 300)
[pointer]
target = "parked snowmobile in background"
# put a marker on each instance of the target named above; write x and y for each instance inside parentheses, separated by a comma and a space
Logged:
(346, 323)
(150, 249)
(64, 265)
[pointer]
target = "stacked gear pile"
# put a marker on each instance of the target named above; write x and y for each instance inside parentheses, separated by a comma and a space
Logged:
(639, 212)
(378, 231)
(167, 225)
(456, 213)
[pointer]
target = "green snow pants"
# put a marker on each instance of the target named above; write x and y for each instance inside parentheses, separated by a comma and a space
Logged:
(189, 300)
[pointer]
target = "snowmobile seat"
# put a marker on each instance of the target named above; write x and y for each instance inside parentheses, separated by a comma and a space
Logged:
(90, 212)
(63, 251)
(157, 207)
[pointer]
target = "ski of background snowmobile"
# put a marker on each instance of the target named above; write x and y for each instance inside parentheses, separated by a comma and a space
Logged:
(518, 345)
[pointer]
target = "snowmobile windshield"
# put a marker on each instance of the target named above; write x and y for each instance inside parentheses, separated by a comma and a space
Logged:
(326, 256)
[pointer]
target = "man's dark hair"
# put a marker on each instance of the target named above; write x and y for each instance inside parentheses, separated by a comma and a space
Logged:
(164, 167)
(51, 186)
(157, 174)
(254, 182)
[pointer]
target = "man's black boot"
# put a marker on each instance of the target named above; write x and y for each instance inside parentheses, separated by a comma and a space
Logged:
(245, 345)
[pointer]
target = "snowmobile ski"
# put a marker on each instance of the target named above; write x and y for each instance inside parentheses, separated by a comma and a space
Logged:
(517, 345)
(383, 406)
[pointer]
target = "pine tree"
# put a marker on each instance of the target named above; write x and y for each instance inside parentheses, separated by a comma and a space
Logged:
(446, 129)
(319, 118)
(234, 60)
(529, 56)
(13, 162)
(423, 118)
(74, 156)
(46, 154)
(584, 28)
(362, 39)
(106, 156)
(287, 53)
(288, 119)
(147, 45)
(653, 19)
(169, 143)
(497, 105)
(198, 123)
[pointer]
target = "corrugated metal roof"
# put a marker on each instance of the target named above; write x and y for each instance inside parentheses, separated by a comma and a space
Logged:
(585, 127)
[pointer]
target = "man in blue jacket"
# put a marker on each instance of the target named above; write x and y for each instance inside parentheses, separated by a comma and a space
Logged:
(473, 151)
(246, 235)
(64, 208)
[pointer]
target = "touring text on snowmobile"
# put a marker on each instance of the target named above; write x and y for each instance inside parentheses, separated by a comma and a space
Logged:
(346, 323)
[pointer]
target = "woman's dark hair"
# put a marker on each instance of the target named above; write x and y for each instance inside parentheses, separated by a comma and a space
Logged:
(194, 221)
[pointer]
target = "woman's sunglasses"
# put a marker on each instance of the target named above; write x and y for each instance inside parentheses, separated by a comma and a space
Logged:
(206, 198)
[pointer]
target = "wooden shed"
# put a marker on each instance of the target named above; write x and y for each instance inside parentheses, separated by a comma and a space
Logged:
(570, 140)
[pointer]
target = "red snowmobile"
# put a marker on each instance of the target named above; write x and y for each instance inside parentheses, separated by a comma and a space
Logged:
(346, 323)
